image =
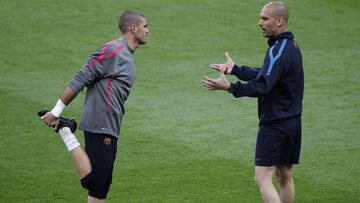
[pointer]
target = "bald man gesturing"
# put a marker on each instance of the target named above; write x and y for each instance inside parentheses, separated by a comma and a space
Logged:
(279, 87)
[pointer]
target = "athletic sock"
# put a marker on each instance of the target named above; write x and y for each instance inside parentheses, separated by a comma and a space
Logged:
(69, 138)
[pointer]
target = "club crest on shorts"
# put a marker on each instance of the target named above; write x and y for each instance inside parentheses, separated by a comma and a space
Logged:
(107, 141)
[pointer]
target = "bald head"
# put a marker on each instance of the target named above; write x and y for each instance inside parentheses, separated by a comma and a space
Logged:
(278, 9)
(273, 18)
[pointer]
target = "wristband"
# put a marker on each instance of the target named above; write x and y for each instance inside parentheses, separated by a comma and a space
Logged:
(59, 107)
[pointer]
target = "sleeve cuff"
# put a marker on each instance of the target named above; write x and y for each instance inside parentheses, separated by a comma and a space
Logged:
(76, 86)
(231, 88)
(236, 70)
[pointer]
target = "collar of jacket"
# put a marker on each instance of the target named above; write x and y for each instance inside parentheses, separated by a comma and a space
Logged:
(273, 39)
(126, 44)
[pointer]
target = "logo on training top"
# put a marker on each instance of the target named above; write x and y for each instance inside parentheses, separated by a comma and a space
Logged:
(107, 141)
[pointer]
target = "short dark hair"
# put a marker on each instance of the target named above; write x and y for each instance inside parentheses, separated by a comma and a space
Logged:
(128, 18)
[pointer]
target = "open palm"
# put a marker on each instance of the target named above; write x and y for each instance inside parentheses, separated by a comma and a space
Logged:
(226, 67)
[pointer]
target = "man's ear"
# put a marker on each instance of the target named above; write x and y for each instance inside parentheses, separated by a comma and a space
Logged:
(280, 21)
(133, 28)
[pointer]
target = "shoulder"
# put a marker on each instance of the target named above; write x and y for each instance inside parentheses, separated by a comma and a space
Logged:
(287, 47)
(107, 51)
(293, 49)
(113, 46)
(292, 45)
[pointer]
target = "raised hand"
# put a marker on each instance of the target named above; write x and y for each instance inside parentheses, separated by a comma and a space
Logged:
(216, 84)
(226, 67)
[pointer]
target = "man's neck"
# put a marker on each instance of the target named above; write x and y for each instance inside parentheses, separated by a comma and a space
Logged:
(131, 42)
(281, 30)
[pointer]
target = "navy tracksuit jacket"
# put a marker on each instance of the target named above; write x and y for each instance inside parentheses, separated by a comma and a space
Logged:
(278, 85)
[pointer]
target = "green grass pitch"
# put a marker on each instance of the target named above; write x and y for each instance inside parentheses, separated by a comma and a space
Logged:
(179, 141)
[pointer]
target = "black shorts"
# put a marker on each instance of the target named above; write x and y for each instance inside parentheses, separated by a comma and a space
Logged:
(101, 150)
(279, 143)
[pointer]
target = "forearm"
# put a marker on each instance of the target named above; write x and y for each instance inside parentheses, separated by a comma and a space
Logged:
(250, 89)
(245, 73)
(68, 95)
(65, 98)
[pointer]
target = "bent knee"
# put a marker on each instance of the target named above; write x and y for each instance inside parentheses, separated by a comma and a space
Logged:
(95, 186)
(91, 182)
(87, 181)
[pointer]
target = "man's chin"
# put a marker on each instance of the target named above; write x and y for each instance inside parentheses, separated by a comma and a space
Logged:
(266, 35)
(142, 42)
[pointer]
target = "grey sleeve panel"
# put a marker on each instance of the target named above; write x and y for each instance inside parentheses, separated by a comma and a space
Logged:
(83, 78)
(88, 74)
(76, 85)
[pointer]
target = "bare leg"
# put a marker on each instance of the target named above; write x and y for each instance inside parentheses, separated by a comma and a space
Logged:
(287, 187)
(81, 161)
(79, 157)
(263, 179)
(95, 200)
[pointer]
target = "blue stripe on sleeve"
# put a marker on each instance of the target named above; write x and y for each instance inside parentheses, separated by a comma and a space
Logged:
(274, 59)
